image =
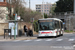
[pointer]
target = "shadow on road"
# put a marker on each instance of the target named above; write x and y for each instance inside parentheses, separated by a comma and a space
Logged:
(49, 37)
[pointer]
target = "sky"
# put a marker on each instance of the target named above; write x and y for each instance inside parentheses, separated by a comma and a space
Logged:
(34, 2)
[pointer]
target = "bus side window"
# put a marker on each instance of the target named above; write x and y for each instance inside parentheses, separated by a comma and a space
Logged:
(55, 24)
(58, 25)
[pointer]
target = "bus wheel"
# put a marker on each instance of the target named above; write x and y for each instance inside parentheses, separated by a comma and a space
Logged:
(61, 34)
(55, 36)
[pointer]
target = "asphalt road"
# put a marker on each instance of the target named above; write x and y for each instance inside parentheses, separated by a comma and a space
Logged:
(65, 42)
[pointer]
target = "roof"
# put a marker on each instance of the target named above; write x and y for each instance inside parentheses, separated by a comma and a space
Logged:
(3, 4)
(51, 19)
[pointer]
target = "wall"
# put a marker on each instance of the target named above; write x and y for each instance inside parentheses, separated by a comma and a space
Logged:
(2, 27)
(20, 26)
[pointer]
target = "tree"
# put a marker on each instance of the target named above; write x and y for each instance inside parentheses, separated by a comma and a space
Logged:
(64, 5)
(52, 9)
(25, 13)
(45, 15)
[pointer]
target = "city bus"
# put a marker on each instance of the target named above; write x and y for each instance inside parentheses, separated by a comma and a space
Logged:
(50, 27)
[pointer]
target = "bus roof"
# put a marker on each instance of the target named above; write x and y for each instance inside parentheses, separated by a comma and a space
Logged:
(51, 19)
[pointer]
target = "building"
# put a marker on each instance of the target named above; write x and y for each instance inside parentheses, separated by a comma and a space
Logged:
(4, 12)
(44, 8)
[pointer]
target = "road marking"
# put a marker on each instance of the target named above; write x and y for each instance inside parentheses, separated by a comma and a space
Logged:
(59, 40)
(16, 40)
(27, 40)
(73, 45)
(49, 39)
(39, 40)
(71, 39)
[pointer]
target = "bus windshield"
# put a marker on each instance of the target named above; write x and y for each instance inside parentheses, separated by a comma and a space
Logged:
(46, 26)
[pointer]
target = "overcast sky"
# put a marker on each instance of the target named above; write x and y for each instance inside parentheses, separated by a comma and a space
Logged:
(34, 2)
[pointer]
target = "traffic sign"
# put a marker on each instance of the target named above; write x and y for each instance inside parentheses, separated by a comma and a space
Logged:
(18, 17)
(63, 23)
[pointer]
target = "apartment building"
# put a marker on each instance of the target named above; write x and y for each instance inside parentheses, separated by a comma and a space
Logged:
(44, 8)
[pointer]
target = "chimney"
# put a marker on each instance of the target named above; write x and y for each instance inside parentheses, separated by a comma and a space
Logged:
(4, 0)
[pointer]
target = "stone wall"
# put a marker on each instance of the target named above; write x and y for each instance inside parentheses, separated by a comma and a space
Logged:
(20, 27)
(2, 27)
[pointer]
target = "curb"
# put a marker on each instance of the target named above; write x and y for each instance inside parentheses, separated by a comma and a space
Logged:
(31, 38)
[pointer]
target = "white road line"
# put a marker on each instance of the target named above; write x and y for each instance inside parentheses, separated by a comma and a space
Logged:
(71, 39)
(16, 40)
(59, 40)
(27, 40)
(39, 40)
(49, 39)
(73, 45)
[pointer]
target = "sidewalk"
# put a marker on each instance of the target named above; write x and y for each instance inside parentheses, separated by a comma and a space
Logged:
(17, 38)
(69, 33)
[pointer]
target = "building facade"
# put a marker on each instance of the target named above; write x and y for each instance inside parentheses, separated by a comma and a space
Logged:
(44, 8)
(4, 12)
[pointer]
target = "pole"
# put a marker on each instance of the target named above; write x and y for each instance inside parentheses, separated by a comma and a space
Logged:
(29, 5)
(74, 11)
(69, 23)
(15, 26)
(43, 9)
(74, 6)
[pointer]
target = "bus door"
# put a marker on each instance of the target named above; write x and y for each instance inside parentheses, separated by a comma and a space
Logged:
(57, 27)
(60, 27)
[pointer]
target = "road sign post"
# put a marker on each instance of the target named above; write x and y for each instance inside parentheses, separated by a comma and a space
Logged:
(15, 26)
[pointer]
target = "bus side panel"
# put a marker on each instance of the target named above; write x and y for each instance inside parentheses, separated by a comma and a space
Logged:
(47, 33)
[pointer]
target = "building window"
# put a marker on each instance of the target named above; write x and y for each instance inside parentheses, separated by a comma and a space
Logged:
(45, 5)
(45, 10)
(38, 8)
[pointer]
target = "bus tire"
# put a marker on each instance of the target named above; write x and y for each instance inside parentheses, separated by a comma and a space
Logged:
(55, 36)
(61, 34)
(38, 37)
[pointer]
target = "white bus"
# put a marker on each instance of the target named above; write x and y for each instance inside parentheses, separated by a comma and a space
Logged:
(50, 27)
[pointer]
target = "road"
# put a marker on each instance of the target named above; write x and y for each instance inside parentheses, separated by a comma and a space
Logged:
(65, 42)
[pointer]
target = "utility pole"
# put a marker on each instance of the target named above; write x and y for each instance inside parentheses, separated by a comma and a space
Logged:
(74, 6)
(43, 9)
(29, 5)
